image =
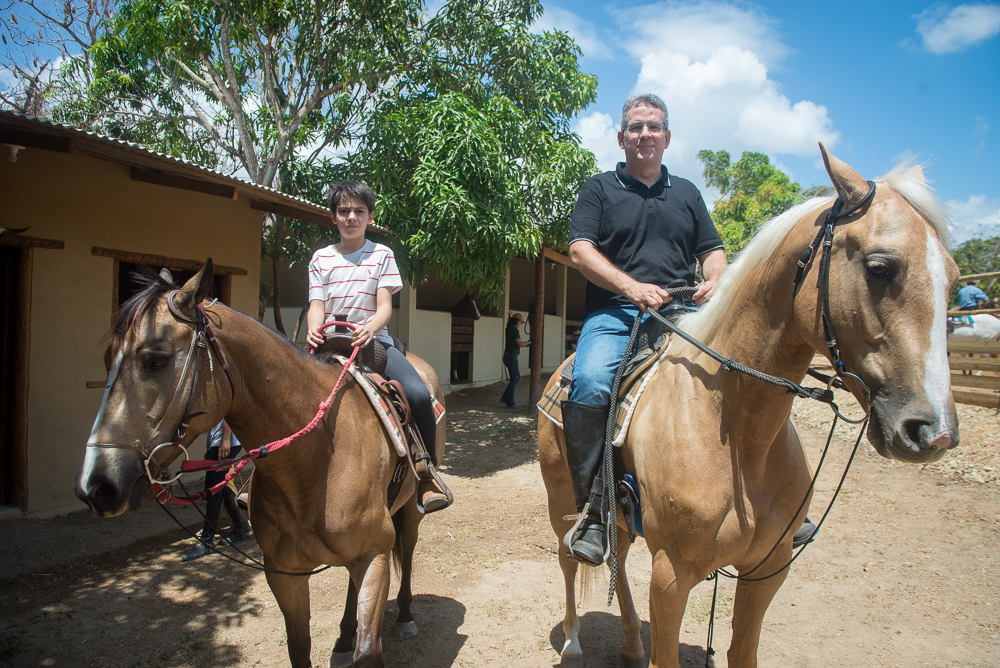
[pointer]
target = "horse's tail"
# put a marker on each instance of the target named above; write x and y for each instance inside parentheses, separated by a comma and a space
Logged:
(398, 525)
(591, 577)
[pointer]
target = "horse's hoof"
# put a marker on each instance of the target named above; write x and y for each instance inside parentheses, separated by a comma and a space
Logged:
(629, 662)
(406, 630)
(342, 660)
(571, 661)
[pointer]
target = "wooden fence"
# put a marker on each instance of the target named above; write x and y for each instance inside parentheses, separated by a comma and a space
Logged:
(975, 379)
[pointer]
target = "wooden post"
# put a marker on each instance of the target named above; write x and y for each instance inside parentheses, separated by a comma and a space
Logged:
(537, 335)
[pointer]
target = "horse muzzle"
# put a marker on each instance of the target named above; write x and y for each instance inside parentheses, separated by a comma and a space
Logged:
(916, 436)
(113, 481)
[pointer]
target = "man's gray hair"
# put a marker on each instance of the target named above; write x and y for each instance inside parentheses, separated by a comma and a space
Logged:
(644, 100)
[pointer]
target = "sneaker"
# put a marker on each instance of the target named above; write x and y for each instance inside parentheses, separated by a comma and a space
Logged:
(238, 534)
(514, 407)
(805, 534)
(203, 547)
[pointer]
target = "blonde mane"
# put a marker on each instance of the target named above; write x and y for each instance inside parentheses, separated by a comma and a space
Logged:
(906, 179)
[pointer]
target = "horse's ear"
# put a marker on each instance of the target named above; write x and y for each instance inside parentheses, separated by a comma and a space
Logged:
(851, 186)
(917, 174)
(196, 289)
(166, 275)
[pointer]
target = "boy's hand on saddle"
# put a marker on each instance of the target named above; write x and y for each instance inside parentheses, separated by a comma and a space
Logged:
(647, 296)
(314, 338)
(362, 336)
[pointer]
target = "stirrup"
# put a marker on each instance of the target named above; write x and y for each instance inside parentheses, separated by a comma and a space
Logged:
(436, 501)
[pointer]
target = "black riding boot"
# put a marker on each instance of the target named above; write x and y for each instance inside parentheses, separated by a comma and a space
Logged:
(584, 426)
(206, 540)
(241, 526)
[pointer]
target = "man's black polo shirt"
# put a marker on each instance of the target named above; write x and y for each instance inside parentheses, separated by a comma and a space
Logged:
(654, 235)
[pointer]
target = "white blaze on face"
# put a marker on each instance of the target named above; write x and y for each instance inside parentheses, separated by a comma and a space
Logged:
(937, 373)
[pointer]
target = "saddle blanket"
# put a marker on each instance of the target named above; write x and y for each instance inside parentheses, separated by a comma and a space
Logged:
(550, 404)
(961, 320)
(381, 407)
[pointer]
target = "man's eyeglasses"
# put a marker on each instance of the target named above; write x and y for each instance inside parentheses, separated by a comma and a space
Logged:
(636, 128)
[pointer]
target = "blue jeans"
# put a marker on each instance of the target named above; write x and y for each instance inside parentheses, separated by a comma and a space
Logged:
(603, 340)
(510, 361)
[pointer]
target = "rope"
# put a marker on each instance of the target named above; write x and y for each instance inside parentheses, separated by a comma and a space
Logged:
(611, 525)
(237, 465)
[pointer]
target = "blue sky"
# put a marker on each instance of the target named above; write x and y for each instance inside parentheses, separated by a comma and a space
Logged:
(877, 82)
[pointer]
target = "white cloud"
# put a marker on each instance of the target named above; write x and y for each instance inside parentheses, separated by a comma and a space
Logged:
(599, 134)
(978, 216)
(946, 31)
(699, 29)
(710, 63)
(727, 101)
(583, 32)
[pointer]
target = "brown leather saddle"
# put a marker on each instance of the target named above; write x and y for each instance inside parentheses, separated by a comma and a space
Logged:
(372, 360)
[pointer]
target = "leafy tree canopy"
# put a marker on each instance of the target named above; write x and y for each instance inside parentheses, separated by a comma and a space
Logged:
(466, 187)
(460, 119)
(751, 192)
(978, 256)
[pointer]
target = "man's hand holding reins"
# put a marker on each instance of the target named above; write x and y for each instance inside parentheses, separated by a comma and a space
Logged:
(646, 296)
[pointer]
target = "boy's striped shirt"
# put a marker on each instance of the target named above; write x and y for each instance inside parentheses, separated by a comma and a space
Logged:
(348, 283)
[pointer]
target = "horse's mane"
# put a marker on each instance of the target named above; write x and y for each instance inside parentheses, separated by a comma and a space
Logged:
(153, 287)
(130, 314)
(904, 179)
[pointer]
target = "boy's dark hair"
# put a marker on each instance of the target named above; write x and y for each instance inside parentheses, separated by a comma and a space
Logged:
(351, 190)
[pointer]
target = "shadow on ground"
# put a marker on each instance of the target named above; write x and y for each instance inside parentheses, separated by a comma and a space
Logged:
(601, 638)
(139, 608)
(438, 641)
(509, 435)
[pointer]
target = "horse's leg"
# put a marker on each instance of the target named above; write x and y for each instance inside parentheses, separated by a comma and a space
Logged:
(407, 521)
(292, 594)
(372, 578)
(752, 600)
(571, 655)
(343, 649)
(632, 653)
(668, 594)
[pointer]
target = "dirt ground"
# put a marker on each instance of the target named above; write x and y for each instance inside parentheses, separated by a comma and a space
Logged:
(903, 572)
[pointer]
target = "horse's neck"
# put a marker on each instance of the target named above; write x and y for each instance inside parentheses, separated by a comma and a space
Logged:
(760, 332)
(278, 391)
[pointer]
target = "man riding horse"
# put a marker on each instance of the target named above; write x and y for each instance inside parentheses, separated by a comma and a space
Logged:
(634, 231)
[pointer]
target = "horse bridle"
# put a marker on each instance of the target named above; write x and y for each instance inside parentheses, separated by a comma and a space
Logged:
(202, 339)
(825, 237)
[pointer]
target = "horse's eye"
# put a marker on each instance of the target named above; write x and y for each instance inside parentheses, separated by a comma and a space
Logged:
(881, 268)
(155, 361)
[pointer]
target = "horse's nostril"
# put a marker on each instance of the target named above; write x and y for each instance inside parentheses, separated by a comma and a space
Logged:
(911, 429)
(102, 493)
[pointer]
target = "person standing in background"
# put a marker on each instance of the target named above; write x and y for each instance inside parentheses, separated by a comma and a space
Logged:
(511, 349)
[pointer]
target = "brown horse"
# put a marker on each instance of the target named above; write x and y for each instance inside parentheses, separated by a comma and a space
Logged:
(320, 500)
(720, 468)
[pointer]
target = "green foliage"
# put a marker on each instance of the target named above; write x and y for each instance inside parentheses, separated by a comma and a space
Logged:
(751, 192)
(978, 256)
(459, 120)
(464, 188)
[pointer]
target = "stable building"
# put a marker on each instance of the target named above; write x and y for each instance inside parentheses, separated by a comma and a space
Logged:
(78, 213)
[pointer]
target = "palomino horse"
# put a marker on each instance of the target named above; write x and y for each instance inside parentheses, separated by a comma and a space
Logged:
(320, 500)
(721, 471)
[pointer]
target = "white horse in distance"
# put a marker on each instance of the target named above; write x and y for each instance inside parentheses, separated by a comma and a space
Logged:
(984, 327)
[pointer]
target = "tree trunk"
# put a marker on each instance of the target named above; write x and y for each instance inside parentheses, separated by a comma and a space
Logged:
(537, 335)
(276, 299)
(298, 323)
